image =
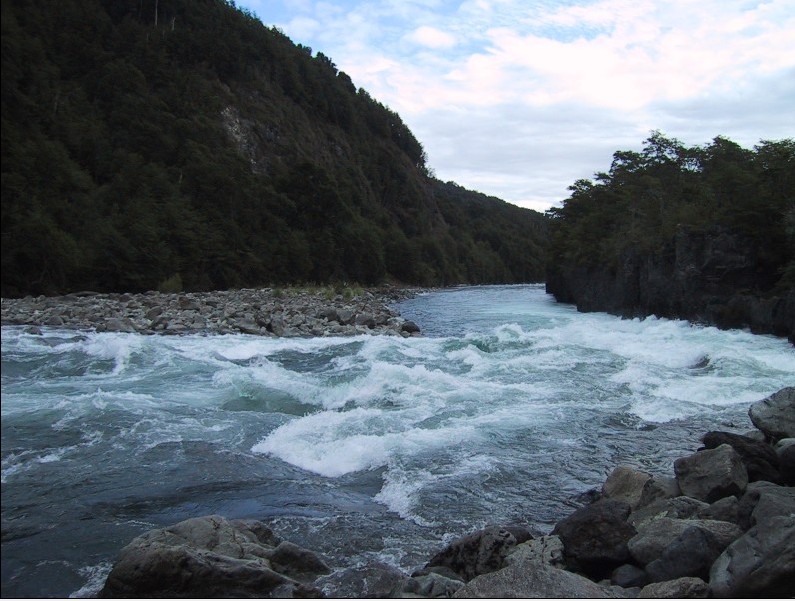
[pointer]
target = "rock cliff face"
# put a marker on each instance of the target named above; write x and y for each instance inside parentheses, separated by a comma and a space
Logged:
(711, 277)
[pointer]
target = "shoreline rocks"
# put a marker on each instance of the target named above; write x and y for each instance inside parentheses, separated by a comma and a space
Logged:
(291, 312)
(641, 537)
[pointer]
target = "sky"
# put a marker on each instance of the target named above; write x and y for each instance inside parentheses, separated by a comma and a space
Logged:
(520, 98)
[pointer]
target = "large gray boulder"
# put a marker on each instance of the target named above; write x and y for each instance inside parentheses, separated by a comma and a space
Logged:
(654, 537)
(548, 549)
(625, 484)
(477, 553)
(211, 556)
(658, 488)
(372, 581)
(775, 415)
(726, 509)
(759, 458)
(711, 474)
(428, 584)
(761, 563)
(689, 554)
(678, 507)
(534, 579)
(687, 587)
(764, 500)
(595, 537)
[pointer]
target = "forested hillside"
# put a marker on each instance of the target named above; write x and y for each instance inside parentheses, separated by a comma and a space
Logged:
(182, 144)
(704, 232)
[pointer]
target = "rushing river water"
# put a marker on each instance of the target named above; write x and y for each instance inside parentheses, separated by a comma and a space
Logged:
(363, 449)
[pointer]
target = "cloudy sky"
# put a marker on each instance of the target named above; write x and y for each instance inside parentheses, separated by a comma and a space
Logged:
(519, 98)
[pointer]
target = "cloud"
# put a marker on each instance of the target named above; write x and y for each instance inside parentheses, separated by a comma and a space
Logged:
(432, 37)
(519, 98)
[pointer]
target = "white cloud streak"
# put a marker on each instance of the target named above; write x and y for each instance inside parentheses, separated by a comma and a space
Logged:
(519, 98)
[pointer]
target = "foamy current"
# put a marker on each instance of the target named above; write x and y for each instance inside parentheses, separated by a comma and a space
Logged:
(367, 448)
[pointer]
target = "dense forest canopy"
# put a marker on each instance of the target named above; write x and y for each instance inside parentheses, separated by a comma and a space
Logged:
(646, 196)
(182, 144)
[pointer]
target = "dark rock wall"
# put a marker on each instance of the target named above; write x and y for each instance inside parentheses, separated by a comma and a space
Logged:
(712, 277)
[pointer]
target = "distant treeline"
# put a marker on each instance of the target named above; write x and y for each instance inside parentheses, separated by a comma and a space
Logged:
(182, 144)
(637, 207)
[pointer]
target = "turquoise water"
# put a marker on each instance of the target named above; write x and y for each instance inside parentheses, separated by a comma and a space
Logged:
(364, 449)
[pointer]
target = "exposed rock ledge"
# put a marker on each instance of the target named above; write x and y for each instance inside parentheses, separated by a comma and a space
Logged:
(722, 526)
(712, 276)
(262, 311)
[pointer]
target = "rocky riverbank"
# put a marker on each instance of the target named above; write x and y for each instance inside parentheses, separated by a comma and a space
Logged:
(723, 525)
(262, 311)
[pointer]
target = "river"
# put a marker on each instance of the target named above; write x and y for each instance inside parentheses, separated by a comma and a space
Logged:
(364, 449)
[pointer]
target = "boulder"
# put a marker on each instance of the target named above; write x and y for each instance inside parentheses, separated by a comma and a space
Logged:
(205, 557)
(689, 554)
(761, 563)
(726, 509)
(429, 584)
(595, 537)
(759, 458)
(548, 549)
(410, 327)
(533, 579)
(658, 488)
(296, 562)
(711, 474)
(764, 500)
(625, 484)
(345, 316)
(656, 536)
(116, 324)
(365, 319)
(785, 451)
(681, 588)
(775, 415)
(477, 553)
(373, 581)
(678, 507)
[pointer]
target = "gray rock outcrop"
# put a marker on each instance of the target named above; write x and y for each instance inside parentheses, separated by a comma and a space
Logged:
(211, 556)
(654, 537)
(775, 415)
(534, 579)
(700, 275)
(711, 474)
(760, 459)
(687, 587)
(595, 537)
(625, 484)
(477, 553)
(761, 563)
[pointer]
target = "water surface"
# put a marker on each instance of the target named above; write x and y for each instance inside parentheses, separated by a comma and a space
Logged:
(364, 449)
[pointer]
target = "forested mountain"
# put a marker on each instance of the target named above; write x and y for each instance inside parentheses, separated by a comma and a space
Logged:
(183, 144)
(704, 233)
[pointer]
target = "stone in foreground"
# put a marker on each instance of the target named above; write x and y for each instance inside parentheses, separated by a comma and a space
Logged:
(595, 537)
(534, 579)
(477, 553)
(211, 556)
(711, 474)
(761, 563)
